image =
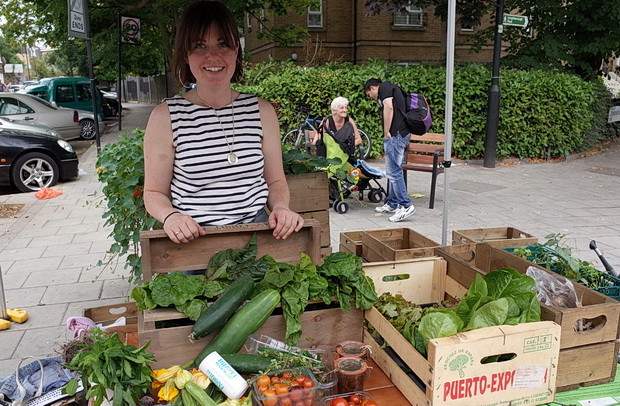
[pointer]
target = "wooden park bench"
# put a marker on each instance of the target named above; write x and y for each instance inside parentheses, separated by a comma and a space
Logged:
(425, 153)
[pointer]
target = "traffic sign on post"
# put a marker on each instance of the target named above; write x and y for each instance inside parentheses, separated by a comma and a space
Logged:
(78, 19)
(130, 30)
(517, 21)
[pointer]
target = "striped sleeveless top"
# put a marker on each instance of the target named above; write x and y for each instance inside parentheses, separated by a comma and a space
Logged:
(204, 185)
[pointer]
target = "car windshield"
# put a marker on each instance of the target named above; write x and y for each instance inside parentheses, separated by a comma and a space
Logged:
(44, 102)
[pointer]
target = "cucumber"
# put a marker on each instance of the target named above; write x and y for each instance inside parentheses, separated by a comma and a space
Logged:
(242, 324)
(220, 311)
(248, 364)
(198, 395)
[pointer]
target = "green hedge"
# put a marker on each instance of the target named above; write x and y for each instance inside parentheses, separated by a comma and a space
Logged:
(542, 114)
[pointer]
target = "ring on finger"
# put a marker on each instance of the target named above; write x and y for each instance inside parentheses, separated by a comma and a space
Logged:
(177, 232)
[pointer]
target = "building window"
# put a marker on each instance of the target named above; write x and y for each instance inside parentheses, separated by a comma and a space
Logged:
(315, 16)
(467, 28)
(409, 17)
(248, 21)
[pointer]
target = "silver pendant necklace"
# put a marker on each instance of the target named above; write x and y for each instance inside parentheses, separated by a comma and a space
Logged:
(232, 158)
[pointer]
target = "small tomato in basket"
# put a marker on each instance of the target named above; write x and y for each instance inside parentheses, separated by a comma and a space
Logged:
(339, 402)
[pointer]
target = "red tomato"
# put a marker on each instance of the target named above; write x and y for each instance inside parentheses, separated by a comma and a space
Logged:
(371, 403)
(280, 388)
(339, 402)
(297, 393)
(355, 399)
(300, 379)
(272, 399)
(264, 380)
(288, 375)
(308, 383)
(300, 403)
(309, 401)
(285, 401)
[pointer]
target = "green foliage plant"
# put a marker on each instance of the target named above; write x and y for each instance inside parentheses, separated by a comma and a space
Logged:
(120, 167)
(105, 362)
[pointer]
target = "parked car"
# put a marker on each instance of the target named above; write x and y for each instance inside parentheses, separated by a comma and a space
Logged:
(30, 108)
(31, 160)
(20, 125)
(70, 92)
(87, 122)
(15, 88)
(113, 104)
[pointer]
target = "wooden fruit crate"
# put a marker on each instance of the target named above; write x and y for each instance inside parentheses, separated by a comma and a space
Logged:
(597, 309)
(396, 244)
(321, 325)
(107, 315)
(351, 242)
(453, 374)
(310, 198)
(499, 237)
(587, 365)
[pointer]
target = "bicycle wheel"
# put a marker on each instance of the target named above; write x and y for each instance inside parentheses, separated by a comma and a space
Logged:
(366, 145)
(295, 137)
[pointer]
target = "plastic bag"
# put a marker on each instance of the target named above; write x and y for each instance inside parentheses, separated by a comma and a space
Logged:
(47, 193)
(553, 290)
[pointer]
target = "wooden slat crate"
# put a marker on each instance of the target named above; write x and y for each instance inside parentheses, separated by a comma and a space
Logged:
(395, 244)
(499, 237)
(322, 216)
(310, 198)
(170, 345)
(599, 310)
(452, 374)
(587, 365)
(107, 315)
(351, 242)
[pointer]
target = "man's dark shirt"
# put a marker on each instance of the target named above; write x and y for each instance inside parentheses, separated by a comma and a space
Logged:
(390, 90)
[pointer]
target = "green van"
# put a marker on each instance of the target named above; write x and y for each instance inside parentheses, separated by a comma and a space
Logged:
(72, 92)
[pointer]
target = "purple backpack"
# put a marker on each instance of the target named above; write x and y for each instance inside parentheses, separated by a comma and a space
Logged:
(417, 114)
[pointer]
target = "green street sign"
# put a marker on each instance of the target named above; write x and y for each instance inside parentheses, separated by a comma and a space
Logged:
(517, 21)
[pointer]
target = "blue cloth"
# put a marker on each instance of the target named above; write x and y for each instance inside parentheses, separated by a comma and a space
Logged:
(372, 171)
(54, 377)
(394, 148)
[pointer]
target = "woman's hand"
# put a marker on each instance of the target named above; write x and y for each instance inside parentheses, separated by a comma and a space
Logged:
(284, 222)
(181, 228)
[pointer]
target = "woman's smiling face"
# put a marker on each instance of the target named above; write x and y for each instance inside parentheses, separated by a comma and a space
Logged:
(212, 60)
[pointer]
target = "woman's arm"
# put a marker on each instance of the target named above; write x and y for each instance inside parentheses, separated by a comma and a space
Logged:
(158, 166)
(281, 219)
(358, 137)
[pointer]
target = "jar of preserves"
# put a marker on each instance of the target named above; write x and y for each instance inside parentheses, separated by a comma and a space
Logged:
(351, 372)
(353, 348)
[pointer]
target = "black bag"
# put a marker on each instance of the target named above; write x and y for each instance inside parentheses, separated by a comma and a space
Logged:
(345, 137)
(417, 113)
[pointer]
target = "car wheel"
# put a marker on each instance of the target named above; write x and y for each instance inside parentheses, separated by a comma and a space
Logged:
(34, 171)
(88, 129)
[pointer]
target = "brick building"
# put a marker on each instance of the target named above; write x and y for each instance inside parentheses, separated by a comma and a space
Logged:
(341, 31)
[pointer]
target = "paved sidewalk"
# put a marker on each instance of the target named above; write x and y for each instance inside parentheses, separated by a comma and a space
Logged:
(47, 253)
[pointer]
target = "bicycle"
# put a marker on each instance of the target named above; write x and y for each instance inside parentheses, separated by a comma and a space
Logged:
(300, 137)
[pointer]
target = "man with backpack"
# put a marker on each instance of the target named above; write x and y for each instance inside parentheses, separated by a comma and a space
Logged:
(395, 140)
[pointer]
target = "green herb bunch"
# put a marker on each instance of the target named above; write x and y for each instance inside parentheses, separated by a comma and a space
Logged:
(555, 255)
(105, 362)
(120, 167)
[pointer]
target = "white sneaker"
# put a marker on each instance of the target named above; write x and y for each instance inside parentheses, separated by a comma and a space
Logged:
(402, 213)
(386, 208)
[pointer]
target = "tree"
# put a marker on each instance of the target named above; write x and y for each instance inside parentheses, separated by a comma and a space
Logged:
(571, 36)
(37, 20)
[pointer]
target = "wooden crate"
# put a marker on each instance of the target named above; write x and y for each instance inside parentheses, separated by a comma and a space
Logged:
(587, 365)
(323, 326)
(528, 378)
(159, 255)
(322, 216)
(599, 310)
(351, 242)
(499, 237)
(107, 315)
(395, 244)
(309, 191)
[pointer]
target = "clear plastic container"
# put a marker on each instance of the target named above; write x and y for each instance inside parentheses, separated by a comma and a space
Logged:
(309, 395)
(324, 372)
(327, 401)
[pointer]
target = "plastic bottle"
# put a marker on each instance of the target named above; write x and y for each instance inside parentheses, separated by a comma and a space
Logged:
(223, 376)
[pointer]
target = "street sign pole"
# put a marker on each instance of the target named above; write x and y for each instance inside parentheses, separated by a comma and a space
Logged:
(490, 141)
(79, 27)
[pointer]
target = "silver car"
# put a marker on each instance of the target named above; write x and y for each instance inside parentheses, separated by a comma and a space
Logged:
(20, 125)
(87, 121)
(36, 110)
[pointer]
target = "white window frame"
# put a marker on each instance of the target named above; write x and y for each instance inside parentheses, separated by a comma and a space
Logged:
(414, 17)
(248, 20)
(315, 12)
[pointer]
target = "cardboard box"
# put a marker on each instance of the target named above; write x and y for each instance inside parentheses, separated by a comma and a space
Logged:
(396, 244)
(598, 310)
(321, 324)
(453, 373)
(497, 237)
